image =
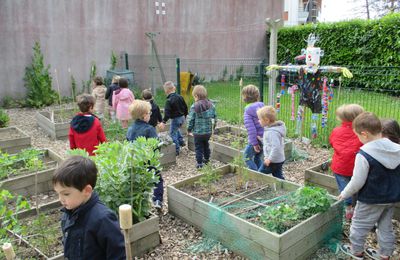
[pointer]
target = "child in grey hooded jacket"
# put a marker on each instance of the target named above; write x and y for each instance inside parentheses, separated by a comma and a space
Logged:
(273, 142)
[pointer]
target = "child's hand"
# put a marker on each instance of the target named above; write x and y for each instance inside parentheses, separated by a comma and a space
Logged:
(259, 138)
(340, 197)
(190, 134)
(161, 126)
(267, 162)
(257, 148)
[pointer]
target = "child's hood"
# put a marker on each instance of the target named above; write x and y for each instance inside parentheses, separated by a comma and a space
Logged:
(123, 93)
(202, 106)
(82, 122)
(278, 126)
(384, 151)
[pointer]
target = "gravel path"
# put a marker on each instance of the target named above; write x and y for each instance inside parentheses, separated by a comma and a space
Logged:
(181, 240)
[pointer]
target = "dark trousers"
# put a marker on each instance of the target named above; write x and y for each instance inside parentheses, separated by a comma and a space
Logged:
(274, 168)
(202, 148)
(158, 192)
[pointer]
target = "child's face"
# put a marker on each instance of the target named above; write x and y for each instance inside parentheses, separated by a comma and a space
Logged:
(263, 121)
(146, 117)
(70, 197)
(170, 90)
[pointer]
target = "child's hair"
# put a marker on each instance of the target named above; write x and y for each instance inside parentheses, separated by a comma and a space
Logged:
(123, 83)
(85, 102)
(139, 108)
(168, 86)
(200, 91)
(147, 95)
(369, 122)
(76, 172)
(98, 80)
(391, 130)
(267, 112)
(250, 94)
(115, 79)
(348, 112)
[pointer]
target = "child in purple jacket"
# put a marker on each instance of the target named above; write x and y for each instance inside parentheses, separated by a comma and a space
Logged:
(253, 154)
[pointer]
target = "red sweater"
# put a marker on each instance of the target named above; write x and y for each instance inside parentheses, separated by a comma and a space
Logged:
(86, 132)
(345, 144)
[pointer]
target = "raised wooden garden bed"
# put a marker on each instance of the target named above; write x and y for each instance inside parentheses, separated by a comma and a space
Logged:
(169, 155)
(23, 183)
(322, 176)
(13, 140)
(56, 123)
(228, 141)
(249, 239)
(144, 236)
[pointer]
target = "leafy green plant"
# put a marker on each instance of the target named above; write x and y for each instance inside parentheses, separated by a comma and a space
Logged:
(73, 88)
(4, 118)
(242, 175)
(7, 215)
(38, 81)
(127, 174)
(209, 177)
(113, 61)
(304, 203)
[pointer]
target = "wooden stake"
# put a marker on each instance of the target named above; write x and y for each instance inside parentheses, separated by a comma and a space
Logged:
(125, 222)
(8, 251)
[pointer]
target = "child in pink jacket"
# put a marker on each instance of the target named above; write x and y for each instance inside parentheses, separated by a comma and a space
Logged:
(122, 98)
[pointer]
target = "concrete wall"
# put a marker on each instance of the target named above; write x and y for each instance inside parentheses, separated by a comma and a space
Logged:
(73, 33)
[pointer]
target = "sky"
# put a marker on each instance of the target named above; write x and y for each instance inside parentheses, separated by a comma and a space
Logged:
(340, 10)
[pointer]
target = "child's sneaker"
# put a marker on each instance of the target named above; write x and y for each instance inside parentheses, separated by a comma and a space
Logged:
(199, 166)
(373, 253)
(157, 204)
(349, 213)
(346, 248)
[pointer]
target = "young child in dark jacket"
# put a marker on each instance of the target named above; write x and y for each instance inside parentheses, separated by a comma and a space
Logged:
(176, 109)
(155, 117)
(86, 131)
(200, 124)
(141, 111)
(376, 179)
(90, 229)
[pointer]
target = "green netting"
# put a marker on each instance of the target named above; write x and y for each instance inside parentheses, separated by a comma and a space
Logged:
(250, 205)
(298, 154)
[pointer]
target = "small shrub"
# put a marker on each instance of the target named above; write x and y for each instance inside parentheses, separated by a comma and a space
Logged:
(210, 176)
(4, 118)
(38, 81)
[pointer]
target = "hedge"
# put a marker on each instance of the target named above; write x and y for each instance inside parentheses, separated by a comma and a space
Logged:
(370, 48)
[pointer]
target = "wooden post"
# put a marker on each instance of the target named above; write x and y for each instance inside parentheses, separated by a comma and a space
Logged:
(273, 47)
(125, 223)
(8, 251)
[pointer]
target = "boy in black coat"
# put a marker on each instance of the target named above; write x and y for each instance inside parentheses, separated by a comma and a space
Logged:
(90, 229)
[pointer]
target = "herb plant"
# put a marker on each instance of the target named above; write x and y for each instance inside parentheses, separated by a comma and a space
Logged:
(127, 174)
(27, 160)
(4, 118)
(210, 176)
(242, 175)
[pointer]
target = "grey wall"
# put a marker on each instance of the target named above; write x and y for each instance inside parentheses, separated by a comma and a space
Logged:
(72, 33)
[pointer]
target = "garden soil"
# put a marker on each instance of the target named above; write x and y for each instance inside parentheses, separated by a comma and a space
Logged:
(179, 239)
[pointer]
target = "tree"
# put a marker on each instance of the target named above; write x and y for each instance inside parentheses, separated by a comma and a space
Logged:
(376, 8)
(38, 81)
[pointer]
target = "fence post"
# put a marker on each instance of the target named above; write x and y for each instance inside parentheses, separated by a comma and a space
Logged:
(178, 75)
(126, 61)
(261, 84)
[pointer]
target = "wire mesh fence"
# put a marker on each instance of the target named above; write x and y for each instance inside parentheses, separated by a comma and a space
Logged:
(222, 77)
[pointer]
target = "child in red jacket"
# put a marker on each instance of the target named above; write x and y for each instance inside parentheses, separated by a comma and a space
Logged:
(345, 144)
(86, 131)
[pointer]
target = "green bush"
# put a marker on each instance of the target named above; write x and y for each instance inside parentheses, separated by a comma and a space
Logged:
(358, 44)
(4, 118)
(38, 81)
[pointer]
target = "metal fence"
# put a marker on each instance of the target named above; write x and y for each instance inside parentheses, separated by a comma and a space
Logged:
(222, 77)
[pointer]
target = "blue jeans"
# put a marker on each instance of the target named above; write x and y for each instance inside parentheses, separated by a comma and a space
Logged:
(274, 168)
(202, 148)
(342, 182)
(175, 133)
(253, 160)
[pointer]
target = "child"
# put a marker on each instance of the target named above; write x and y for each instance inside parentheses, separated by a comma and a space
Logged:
(176, 109)
(109, 95)
(376, 178)
(391, 130)
(99, 92)
(86, 131)
(345, 145)
(273, 143)
(121, 100)
(141, 112)
(253, 150)
(90, 229)
(201, 117)
(155, 116)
